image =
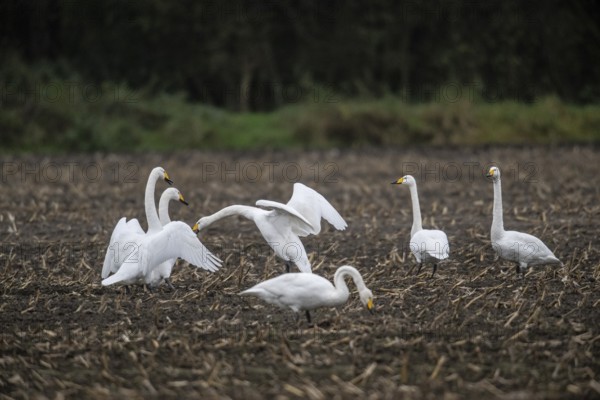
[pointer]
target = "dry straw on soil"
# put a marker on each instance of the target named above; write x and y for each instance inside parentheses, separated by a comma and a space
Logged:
(476, 330)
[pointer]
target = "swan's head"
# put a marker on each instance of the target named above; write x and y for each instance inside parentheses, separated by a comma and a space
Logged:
(366, 297)
(405, 180)
(494, 173)
(182, 200)
(161, 173)
(201, 224)
(178, 196)
(173, 194)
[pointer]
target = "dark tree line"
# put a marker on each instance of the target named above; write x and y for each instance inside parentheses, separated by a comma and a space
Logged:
(258, 54)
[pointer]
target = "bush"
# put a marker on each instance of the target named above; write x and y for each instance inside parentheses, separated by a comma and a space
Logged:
(112, 117)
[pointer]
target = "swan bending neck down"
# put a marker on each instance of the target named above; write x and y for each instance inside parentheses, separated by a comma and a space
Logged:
(522, 248)
(425, 244)
(283, 224)
(305, 292)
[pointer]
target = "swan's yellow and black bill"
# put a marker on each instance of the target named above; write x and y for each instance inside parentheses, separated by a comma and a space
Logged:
(167, 179)
(370, 306)
(181, 199)
(195, 228)
(398, 182)
(490, 173)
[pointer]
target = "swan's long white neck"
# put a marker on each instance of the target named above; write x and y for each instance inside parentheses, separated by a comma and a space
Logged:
(163, 210)
(244, 211)
(416, 208)
(150, 204)
(497, 222)
(341, 288)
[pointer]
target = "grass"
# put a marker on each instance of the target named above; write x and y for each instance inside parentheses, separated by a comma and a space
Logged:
(42, 113)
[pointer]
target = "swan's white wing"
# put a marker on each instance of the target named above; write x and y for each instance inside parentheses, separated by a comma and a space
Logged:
(129, 271)
(277, 228)
(296, 220)
(312, 205)
(134, 226)
(177, 239)
(124, 241)
(430, 243)
(112, 252)
(523, 247)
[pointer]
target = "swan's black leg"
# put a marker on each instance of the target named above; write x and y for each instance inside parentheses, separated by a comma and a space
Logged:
(420, 266)
(308, 316)
(434, 269)
(518, 269)
(169, 284)
(288, 267)
(127, 290)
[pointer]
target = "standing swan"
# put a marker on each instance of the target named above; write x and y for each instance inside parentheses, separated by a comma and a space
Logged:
(305, 292)
(427, 245)
(163, 272)
(118, 249)
(284, 223)
(520, 247)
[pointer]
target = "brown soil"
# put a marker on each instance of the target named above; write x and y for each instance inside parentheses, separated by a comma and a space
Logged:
(476, 330)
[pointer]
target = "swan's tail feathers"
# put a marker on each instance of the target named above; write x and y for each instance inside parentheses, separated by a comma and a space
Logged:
(554, 260)
(110, 259)
(111, 280)
(129, 271)
(438, 254)
(252, 292)
(303, 265)
(210, 262)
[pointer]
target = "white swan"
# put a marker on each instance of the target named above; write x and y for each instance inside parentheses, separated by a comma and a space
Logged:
(163, 272)
(176, 239)
(427, 245)
(284, 223)
(118, 249)
(520, 247)
(305, 292)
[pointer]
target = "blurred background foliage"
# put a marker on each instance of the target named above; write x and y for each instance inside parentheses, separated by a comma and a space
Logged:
(156, 74)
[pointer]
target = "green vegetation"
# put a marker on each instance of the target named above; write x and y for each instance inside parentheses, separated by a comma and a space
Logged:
(109, 75)
(169, 122)
(41, 112)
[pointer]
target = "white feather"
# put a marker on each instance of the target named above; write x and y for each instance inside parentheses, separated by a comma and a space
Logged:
(299, 292)
(176, 239)
(282, 224)
(519, 247)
